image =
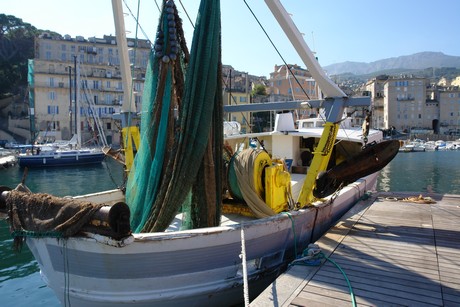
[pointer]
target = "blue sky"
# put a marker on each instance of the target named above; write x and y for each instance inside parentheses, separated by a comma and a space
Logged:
(337, 30)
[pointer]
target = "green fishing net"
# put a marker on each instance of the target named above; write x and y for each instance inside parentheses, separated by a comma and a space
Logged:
(179, 162)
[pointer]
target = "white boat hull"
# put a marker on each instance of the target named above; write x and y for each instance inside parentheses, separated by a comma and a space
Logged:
(199, 267)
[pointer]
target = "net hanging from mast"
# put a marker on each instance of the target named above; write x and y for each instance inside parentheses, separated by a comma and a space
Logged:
(179, 161)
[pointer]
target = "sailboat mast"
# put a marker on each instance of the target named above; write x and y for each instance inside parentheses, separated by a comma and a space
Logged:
(77, 106)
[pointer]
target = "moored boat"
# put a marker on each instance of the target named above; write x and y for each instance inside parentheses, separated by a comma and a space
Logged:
(7, 158)
(61, 157)
(258, 219)
(60, 154)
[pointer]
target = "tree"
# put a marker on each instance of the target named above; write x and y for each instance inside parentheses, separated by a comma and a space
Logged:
(16, 47)
(259, 89)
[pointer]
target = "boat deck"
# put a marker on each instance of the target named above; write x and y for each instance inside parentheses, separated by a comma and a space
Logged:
(394, 252)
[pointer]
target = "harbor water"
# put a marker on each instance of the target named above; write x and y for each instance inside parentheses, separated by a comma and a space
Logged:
(20, 281)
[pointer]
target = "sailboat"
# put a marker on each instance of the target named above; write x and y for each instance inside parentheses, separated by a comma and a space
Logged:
(63, 153)
(203, 220)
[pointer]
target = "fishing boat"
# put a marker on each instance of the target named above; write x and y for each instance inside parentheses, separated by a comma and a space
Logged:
(203, 220)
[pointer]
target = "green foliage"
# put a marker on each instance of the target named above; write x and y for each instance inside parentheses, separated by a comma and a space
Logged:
(16, 47)
(259, 89)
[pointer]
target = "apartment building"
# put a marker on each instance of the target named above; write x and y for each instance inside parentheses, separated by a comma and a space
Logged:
(413, 104)
(449, 109)
(52, 82)
(404, 103)
(293, 82)
(375, 88)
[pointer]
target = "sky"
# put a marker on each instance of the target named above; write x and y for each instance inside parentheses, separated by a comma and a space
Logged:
(336, 30)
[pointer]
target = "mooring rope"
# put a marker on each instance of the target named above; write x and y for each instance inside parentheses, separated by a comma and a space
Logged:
(245, 269)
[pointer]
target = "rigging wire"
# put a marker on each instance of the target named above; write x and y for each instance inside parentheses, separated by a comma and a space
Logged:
(276, 49)
(136, 19)
(282, 58)
(186, 13)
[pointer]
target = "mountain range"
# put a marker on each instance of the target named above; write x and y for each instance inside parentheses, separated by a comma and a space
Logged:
(417, 61)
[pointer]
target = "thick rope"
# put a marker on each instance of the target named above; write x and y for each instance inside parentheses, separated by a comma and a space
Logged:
(244, 169)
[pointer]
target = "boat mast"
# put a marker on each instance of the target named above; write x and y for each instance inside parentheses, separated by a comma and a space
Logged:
(120, 31)
(130, 132)
(334, 104)
(77, 105)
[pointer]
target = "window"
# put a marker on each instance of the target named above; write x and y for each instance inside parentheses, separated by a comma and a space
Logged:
(109, 126)
(51, 82)
(53, 125)
(108, 99)
(243, 99)
(96, 84)
(107, 84)
(52, 95)
(137, 100)
(53, 110)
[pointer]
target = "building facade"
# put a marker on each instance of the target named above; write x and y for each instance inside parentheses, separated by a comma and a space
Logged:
(449, 110)
(292, 83)
(58, 63)
(413, 105)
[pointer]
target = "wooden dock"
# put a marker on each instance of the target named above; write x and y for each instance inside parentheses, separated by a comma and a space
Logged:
(394, 251)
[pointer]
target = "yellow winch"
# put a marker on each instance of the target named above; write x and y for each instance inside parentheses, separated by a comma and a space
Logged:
(266, 178)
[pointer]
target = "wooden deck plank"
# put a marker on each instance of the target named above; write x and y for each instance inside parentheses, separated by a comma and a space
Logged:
(394, 253)
(342, 295)
(383, 281)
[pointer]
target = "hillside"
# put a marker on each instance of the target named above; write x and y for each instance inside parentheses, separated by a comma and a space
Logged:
(417, 61)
